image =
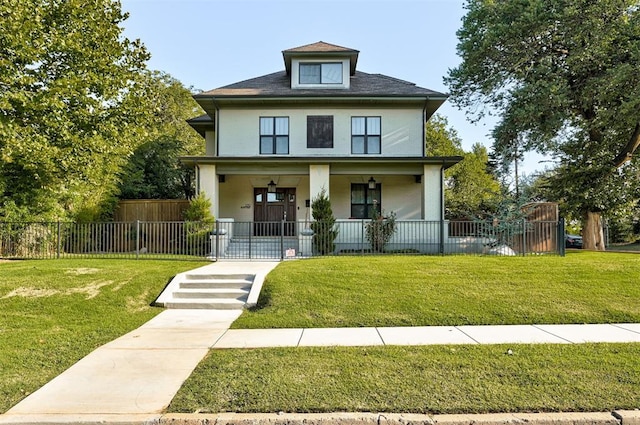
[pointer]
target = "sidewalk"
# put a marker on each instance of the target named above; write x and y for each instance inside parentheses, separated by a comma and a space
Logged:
(133, 379)
(430, 335)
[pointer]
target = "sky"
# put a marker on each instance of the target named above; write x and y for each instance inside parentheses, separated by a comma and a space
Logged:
(207, 44)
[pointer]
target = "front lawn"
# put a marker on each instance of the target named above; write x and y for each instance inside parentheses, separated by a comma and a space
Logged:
(54, 312)
(431, 379)
(583, 287)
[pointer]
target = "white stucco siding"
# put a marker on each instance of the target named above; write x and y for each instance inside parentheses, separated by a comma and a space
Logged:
(210, 143)
(400, 194)
(236, 198)
(401, 129)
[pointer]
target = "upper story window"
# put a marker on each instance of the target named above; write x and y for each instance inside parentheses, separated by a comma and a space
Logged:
(319, 131)
(321, 73)
(365, 135)
(274, 135)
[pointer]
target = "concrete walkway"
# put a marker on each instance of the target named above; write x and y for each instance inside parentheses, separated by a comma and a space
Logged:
(430, 335)
(134, 378)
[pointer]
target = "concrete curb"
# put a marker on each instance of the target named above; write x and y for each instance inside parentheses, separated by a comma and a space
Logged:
(571, 418)
(620, 417)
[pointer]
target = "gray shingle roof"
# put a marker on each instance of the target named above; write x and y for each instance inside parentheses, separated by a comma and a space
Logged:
(362, 84)
(320, 46)
(320, 49)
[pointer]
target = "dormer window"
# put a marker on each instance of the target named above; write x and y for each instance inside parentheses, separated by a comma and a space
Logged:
(321, 73)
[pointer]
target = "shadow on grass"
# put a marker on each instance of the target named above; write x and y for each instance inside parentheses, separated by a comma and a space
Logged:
(264, 299)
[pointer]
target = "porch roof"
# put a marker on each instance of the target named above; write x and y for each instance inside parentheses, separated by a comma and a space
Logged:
(274, 162)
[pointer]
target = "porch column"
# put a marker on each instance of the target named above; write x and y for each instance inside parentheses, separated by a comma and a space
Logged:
(318, 179)
(432, 193)
(210, 186)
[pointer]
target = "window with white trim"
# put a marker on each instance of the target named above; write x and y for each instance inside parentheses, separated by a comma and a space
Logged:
(320, 73)
(365, 135)
(274, 135)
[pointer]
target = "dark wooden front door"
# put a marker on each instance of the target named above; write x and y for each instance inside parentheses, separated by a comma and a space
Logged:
(271, 208)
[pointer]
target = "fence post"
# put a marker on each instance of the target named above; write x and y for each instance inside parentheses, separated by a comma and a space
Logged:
(250, 240)
(561, 248)
(524, 237)
(217, 239)
(282, 239)
(137, 239)
(58, 242)
(362, 231)
(441, 247)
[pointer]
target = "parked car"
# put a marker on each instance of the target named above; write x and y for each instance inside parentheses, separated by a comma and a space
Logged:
(573, 241)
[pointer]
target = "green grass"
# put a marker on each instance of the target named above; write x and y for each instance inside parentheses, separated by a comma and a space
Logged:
(395, 291)
(54, 312)
(632, 246)
(583, 287)
(435, 380)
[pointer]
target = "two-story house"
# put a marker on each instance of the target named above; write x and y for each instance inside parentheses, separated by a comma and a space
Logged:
(274, 142)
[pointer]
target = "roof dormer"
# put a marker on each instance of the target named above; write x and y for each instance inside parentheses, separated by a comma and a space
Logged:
(320, 66)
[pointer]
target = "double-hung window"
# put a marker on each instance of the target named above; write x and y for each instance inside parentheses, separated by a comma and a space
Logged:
(321, 73)
(365, 201)
(274, 135)
(365, 135)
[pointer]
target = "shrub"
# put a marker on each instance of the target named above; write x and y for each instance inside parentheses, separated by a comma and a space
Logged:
(324, 231)
(380, 230)
(199, 223)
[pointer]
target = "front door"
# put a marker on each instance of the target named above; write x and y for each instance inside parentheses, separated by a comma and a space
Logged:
(271, 208)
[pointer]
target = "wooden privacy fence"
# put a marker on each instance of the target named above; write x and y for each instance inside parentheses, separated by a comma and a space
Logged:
(151, 210)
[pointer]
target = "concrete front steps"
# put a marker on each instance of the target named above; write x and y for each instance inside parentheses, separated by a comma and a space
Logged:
(207, 291)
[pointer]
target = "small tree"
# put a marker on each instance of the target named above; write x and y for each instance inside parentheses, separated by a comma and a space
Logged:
(199, 210)
(324, 232)
(380, 230)
(199, 221)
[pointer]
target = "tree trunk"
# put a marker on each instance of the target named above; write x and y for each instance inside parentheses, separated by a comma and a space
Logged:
(592, 234)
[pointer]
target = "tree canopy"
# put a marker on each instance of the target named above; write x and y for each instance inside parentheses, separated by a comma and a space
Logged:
(79, 112)
(154, 171)
(470, 191)
(562, 76)
(69, 105)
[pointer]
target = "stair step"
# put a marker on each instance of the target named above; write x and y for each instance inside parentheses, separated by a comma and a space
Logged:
(245, 277)
(213, 284)
(207, 303)
(229, 293)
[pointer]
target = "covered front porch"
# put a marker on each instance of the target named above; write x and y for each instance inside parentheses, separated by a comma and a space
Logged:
(255, 199)
(274, 189)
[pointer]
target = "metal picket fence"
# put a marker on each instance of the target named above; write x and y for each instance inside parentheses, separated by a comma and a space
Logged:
(278, 240)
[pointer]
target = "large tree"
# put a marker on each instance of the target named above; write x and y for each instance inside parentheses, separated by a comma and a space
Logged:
(471, 191)
(154, 171)
(563, 77)
(70, 105)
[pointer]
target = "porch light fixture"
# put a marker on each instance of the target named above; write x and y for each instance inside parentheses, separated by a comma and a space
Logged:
(271, 187)
(372, 183)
